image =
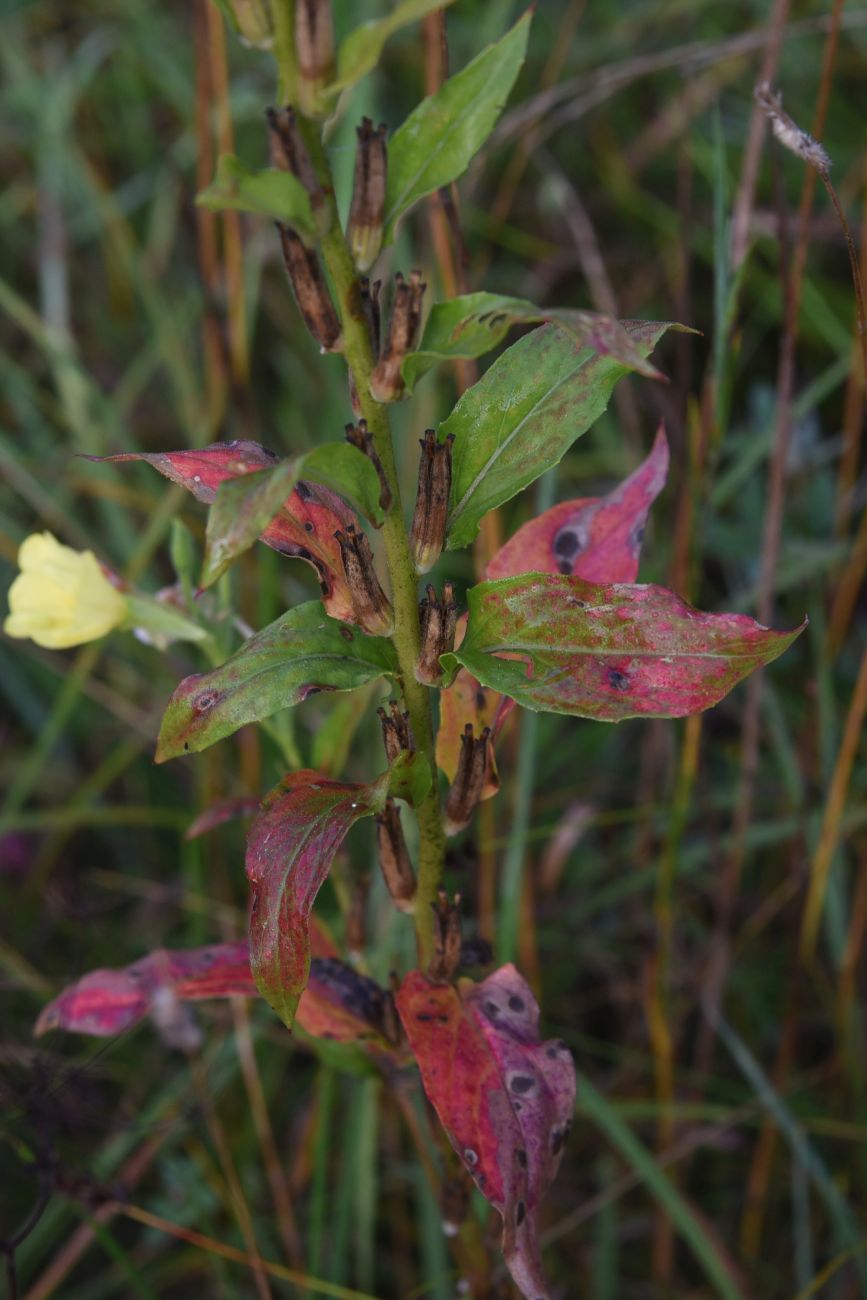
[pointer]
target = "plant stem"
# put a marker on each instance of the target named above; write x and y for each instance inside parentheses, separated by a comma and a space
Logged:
(358, 350)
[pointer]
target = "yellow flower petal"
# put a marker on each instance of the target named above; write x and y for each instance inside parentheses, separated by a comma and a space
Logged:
(61, 597)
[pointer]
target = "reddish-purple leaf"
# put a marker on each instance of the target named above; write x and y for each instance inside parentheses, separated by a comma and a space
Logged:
(559, 644)
(338, 1003)
(290, 848)
(303, 528)
(595, 538)
(504, 1098)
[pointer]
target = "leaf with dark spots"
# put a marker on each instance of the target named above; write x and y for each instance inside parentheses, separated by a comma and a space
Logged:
(595, 538)
(474, 323)
(304, 525)
(559, 644)
(466, 700)
(524, 414)
(339, 1004)
(500, 1098)
(302, 652)
(290, 848)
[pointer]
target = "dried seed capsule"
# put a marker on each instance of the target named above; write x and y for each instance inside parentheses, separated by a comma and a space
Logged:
(314, 49)
(370, 603)
(466, 789)
(386, 383)
(311, 292)
(360, 436)
(394, 857)
(364, 229)
(432, 500)
(289, 154)
(438, 621)
(397, 737)
(447, 937)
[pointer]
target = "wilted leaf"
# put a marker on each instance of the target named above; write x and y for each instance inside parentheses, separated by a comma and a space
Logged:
(290, 848)
(244, 508)
(359, 52)
(305, 525)
(269, 193)
(607, 651)
(471, 325)
(595, 538)
(339, 1004)
(504, 1099)
(439, 139)
(302, 652)
(524, 414)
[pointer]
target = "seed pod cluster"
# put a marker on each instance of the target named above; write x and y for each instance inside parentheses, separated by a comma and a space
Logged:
(370, 604)
(397, 737)
(428, 532)
(447, 937)
(386, 382)
(394, 859)
(438, 622)
(466, 789)
(366, 213)
(360, 436)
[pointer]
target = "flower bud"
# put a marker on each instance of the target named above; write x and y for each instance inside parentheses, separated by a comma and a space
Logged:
(289, 153)
(314, 50)
(386, 382)
(447, 937)
(311, 292)
(361, 437)
(466, 789)
(364, 229)
(432, 500)
(438, 621)
(370, 603)
(252, 21)
(397, 737)
(394, 860)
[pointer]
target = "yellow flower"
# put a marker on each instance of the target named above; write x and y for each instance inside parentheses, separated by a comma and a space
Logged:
(61, 597)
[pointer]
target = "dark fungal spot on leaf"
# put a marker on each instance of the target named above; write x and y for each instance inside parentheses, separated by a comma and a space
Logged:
(619, 681)
(481, 699)
(522, 1084)
(516, 1003)
(491, 1009)
(520, 1213)
(346, 632)
(636, 537)
(521, 1157)
(303, 490)
(470, 1156)
(424, 1017)
(308, 527)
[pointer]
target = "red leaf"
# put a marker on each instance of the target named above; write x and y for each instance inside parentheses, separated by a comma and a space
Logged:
(594, 538)
(290, 848)
(303, 528)
(505, 1099)
(338, 1004)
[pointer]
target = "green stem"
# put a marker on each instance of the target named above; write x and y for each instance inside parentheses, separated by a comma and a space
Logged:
(358, 350)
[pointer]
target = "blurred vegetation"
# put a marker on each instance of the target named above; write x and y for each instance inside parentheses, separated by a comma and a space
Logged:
(650, 881)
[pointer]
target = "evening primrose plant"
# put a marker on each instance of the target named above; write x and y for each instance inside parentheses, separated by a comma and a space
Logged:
(557, 621)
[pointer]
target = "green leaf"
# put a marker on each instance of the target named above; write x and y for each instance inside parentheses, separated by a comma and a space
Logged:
(524, 414)
(439, 139)
(607, 651)
(269, 193)
(471, 325)
(302, 652)
(359, 52)
(244, 507)
(162, 622)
